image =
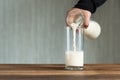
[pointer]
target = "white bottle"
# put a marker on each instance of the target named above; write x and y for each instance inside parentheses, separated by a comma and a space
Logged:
(93, 30)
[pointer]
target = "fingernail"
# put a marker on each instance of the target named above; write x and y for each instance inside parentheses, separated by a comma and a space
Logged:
(85, 26)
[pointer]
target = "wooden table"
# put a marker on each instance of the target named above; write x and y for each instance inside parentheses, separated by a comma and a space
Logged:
(57, 72)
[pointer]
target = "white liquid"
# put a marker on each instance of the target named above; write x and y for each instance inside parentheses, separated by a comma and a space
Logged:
(74, 28)
(74, 58)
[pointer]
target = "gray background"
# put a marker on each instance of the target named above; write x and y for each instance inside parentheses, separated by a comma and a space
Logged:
(33, 31)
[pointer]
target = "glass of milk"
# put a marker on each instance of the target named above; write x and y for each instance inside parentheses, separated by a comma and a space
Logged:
(74, 55)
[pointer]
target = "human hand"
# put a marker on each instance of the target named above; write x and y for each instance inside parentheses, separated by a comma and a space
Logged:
(71, 15)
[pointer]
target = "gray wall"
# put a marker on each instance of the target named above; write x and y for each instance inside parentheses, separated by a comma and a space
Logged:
(33, 31)
(106, 49)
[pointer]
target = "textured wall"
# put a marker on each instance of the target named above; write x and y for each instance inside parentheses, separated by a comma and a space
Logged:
(33, 31)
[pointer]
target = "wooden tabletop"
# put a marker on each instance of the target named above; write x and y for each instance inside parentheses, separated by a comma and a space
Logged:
(58, 72)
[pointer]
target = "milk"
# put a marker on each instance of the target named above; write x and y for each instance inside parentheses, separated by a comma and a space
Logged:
(74, 58)
(74, 28)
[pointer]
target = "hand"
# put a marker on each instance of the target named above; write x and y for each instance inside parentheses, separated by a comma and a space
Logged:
(75, 11)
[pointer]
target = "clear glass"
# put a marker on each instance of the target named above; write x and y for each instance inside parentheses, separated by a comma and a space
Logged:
(74, 55)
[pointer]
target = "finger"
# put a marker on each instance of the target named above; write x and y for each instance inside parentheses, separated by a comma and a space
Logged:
(70, 19)
(86, 20)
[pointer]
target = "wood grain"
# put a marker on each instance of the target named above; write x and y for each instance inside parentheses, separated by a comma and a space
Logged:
(57, 72)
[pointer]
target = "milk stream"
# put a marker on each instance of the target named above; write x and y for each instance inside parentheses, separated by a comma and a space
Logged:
(74, 28)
